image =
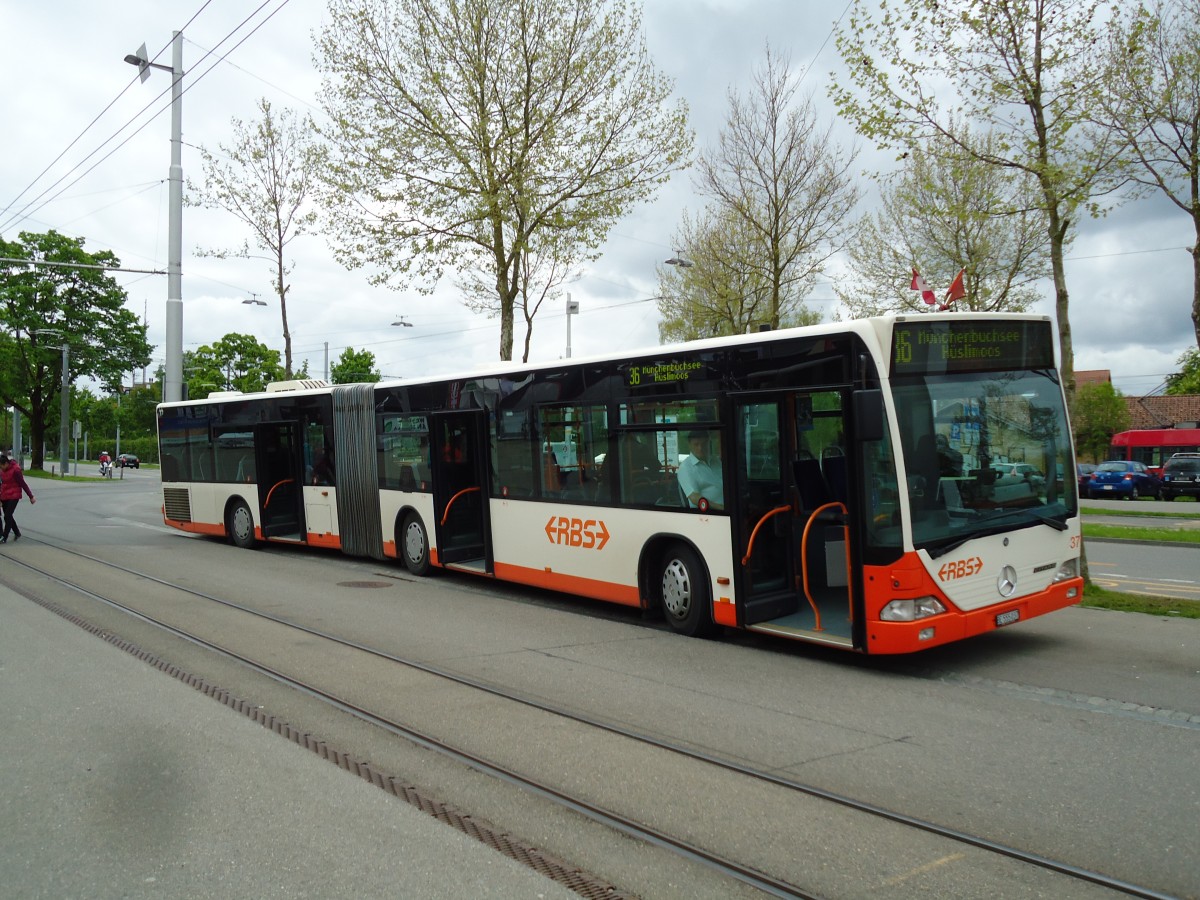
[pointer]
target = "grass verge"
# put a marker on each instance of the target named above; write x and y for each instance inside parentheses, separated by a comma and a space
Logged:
(90, 479)
(1138, 533)
(1185, 512)
(1099, 598)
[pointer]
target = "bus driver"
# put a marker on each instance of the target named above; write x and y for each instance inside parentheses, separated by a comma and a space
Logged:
(700, 478)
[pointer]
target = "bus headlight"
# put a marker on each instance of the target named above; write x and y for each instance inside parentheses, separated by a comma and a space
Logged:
(1069, 569)
(911, 610)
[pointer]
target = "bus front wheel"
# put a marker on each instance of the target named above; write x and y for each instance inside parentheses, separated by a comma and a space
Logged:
(414, 545)
(239, 525)
(685, 593)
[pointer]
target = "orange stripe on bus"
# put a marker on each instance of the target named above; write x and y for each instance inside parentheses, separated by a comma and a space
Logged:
(326, 539)
(197, 527)
(626, 595)
(725, 612)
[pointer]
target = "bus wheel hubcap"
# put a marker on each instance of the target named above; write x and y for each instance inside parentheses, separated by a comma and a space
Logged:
(414, 542)
(677, 589)
(241, 522)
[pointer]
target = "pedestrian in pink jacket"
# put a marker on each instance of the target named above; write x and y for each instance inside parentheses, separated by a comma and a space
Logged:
(12, 482)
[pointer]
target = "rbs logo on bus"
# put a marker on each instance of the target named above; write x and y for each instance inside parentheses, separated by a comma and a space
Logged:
(587, 534)
(960, 568)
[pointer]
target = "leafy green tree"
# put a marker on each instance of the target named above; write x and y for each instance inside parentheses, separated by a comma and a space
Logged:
(60, 295)
(1028, 68)
(1151, 99)
(1187, 379)
(237, 362)
(472, 134)
(1098, 412)
(781, 187)
(132, 410)
(138, 416)
(943, 211)
(265, 178)
(354, 366)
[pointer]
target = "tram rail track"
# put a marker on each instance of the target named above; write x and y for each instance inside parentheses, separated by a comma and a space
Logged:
(577, 802)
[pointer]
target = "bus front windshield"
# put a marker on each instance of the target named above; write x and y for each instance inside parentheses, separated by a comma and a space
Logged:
(984, 453)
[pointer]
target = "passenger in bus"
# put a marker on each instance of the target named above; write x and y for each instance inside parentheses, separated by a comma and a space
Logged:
(421, 472)
(453, 450)
(950, 461)
(322, 471)
(700, 475)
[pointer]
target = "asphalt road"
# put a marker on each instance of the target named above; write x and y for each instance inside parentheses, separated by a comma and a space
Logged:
(1072, 734)
(1156, 568)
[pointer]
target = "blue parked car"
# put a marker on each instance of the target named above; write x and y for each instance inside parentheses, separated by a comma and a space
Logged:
(1119, 478)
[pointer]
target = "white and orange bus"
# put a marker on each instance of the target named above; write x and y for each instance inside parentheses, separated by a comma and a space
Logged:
(883, 485)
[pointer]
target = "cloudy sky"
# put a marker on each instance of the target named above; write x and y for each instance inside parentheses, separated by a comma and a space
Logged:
(87, 150)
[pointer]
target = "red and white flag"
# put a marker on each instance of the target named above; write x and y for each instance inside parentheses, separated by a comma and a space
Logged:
(918, 284)
(957, 291)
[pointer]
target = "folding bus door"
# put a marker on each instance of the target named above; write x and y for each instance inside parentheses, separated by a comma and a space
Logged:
(279, 465)
(460, 489)
(791, 470)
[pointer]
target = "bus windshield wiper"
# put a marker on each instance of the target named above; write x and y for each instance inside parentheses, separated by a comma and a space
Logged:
(1033, 519)
(1036, 518)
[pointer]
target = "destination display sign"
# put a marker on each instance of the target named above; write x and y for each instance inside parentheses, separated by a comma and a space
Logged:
(946, 347)
(659, 372)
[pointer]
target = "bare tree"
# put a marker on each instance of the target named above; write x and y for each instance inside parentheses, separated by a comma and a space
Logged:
(724, 288)
(265, 178)
(478, 134)
(1028, 68)
(785, 181)
(539, 277)
(943, 211)
(1151, 99)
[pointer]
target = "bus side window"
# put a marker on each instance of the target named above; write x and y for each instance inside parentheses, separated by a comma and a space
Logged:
(640, 472)
(514, 471)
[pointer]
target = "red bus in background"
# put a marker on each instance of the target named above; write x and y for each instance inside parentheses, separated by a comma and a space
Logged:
(1154, 446)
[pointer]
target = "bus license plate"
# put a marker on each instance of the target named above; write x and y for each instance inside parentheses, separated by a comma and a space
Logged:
(1007, 618)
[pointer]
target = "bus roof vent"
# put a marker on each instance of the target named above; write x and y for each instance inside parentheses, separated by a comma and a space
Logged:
(220, 395)
(300, 384)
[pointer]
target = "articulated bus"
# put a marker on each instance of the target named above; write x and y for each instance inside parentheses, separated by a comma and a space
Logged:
(883, 485)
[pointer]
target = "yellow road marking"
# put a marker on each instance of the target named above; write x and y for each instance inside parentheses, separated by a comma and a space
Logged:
(920, 870)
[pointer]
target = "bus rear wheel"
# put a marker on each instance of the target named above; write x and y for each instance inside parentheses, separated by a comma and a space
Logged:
(414, 545)
(239, 525)
(684, 592)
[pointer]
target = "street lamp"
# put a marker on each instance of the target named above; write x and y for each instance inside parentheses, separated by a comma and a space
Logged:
(173, 370)
(679, 261)
(253, 300)
(572, 310)
(64, 438)
(400, 321)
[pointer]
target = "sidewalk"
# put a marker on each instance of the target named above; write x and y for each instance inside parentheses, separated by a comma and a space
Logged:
(119, 781)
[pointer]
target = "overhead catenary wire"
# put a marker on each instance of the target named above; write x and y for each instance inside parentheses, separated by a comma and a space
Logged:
(35, 205)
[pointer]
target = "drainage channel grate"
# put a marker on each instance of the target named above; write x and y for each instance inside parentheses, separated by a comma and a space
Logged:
(364, 584)
(583, 883)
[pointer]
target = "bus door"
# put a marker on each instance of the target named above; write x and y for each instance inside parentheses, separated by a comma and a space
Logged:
(279, 463)
(792, 483)
(460, 489)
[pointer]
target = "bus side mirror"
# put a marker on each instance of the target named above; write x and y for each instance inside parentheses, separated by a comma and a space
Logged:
(868, 414)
